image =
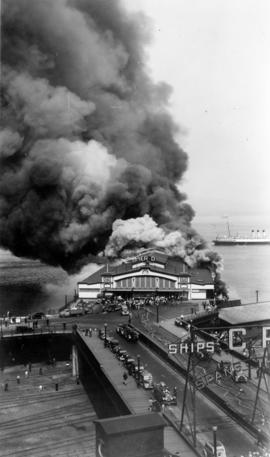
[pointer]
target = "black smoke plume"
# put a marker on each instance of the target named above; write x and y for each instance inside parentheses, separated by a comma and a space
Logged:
(86, 138)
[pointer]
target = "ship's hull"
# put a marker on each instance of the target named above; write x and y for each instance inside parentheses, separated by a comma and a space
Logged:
(237, 242)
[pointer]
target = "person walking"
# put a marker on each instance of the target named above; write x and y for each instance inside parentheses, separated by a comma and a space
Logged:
(18, 379)
(125, 376)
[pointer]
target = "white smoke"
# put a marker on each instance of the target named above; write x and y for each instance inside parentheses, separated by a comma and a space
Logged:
(10, 141)
(128, 236)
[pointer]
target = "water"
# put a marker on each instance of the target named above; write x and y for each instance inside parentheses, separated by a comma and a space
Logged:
(245, 268)
(27, 286)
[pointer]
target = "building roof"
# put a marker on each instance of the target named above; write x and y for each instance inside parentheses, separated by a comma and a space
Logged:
(201, 276)
(245, 314)
(122, 424)
(162, 264)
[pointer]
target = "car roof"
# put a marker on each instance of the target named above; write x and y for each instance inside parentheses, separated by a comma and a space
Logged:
(219, 444)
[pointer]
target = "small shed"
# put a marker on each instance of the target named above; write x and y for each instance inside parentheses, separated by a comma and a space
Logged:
(130, 436)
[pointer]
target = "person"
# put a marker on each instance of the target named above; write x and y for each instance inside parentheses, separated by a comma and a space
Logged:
(26, 373)
(30, 367)
(40, 371)
(90, 332)
(18, 379)
(125, 376)
(6, 387)
(40, 387)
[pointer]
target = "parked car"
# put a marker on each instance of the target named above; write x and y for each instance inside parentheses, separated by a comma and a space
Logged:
(38, 315)
(239, 376)
(76, 312)
(146, 380)
(112, 343)
(127, 332)
(112, 307)
(64, 313)
(209, 450)
(121, 355)
(163, 395)
(128, 362)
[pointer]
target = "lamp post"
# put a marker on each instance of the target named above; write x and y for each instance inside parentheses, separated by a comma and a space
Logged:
(215, 440)
(105, 335)
(249, 358)
(157, 305)
(139, 367)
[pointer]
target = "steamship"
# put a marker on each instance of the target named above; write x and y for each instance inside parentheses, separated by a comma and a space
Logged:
(256, 237)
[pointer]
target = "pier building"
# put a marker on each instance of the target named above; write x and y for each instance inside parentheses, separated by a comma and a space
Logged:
(151, 273)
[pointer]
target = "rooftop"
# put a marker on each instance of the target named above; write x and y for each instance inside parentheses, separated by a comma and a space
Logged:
(246, 313)
(157, 263)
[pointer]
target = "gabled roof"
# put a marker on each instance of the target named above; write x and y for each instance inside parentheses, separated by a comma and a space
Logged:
(172, 266)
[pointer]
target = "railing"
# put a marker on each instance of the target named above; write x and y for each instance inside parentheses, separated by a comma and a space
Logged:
(7, 332)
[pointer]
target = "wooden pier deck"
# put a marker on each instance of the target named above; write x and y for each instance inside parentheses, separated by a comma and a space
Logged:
(136, 398)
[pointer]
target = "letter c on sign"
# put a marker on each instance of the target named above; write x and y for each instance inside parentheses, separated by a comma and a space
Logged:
(231, 334)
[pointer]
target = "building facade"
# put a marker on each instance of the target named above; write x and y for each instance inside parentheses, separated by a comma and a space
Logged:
(151, 273)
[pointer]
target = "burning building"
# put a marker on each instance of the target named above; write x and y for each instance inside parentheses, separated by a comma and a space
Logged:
(151, 273)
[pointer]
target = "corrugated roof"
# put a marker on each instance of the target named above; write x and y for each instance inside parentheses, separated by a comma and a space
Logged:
(246, 313)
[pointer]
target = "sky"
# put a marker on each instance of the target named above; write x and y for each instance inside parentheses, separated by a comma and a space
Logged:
(215, 55)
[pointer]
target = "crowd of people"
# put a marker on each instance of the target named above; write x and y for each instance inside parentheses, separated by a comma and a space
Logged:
(140, 302)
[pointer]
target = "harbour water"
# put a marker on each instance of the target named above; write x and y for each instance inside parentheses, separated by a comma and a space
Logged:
(245, 268)
(27, 286)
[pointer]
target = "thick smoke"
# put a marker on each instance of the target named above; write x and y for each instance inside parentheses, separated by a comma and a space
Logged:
(133, 234)
(86, 138)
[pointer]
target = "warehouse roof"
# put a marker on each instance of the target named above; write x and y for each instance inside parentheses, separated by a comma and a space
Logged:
(246, 313)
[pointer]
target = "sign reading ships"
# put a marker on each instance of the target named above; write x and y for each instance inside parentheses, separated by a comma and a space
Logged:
(257, 237)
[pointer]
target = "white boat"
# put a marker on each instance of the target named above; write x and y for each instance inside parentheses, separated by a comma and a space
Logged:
(257, 237)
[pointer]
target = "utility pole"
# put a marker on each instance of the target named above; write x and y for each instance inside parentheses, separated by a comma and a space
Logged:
(249, 359)
(259, 383)
(257, 296)
(190, 384)
(215, 440)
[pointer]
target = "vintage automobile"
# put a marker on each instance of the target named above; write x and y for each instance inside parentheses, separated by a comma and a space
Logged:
(209, 450)
(130, 335)
(163, 395)
(146, 380)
